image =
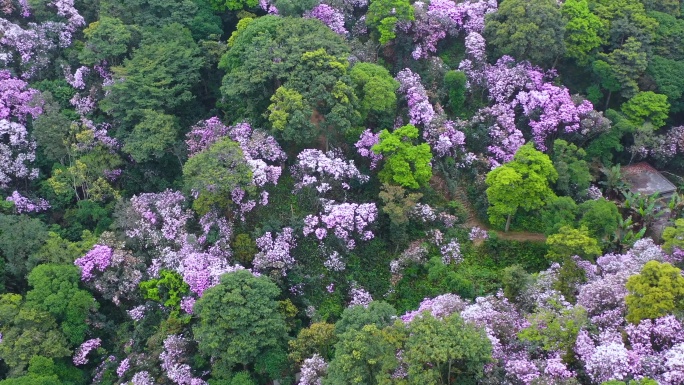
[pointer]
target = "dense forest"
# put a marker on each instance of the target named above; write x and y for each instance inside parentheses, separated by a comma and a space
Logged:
(335, 192)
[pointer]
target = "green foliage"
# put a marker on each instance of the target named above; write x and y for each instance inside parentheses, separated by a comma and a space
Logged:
(668, 75)
(294, 7)
(20, 236)
(557, 213)
(515, 281)
(568, 242)
(573, 171)
(363, 356)
(152, 137)
(217, 171)
(647, 107)
(378, 313)
(405, 163)
(232, 5)
(51, 129)
(159, 75)
(239, 319)
(674, 236)
(657, 291)
(168, 289)
(582, 31)
(555, 329)
(62, 251)
(244, 249)
(457, 351)
(27, 332)
(622, 67)
(398, 203)
(600, 217)
(41, 371)
(106, 39)
(522, 183)
(376, 89)
(455, 83)
(527, 30)
(317, 338)
(570, 277)
(378, 17)
(288, 108)
(241, 26)
(268, 53)
(55, 290)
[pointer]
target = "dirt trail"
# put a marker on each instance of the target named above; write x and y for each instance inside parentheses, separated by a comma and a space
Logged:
(473, 221)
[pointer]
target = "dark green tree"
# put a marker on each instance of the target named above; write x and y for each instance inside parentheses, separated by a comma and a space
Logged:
(152, 137)
(378, 313)
(455, 83)
(54, 289)
(159, 75)
(27, 332)
(600, 216)
(376, 89)
(527, 30)
(573, 171)
(106, 39)
(448, 351)
(20, 236)
(238, 320)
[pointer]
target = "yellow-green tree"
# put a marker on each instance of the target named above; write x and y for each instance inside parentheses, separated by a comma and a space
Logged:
(522, 183)
(656, 291)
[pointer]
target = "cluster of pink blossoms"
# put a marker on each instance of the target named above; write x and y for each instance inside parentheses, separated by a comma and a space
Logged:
(83, 350)
(343, 220)
(420, 109)
(325, 171)
(25, 205)
(329, 16)
(274, 252)
(172, 362)
(98, 258)
(363, 146)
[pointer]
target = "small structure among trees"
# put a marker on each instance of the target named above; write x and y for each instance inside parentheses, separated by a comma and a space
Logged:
(643, 179)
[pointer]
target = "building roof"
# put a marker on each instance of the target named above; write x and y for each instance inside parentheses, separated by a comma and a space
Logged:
(644, 179)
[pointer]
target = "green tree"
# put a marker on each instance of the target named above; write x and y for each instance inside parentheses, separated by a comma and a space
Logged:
(657, 291)
(376, 89)
(573, 171)
(448, 351)
(159, 75)
(647, 107)
(55, 290)
(674, 236)
(405, 163)
(107, 39)
(364, 356)
(239, 320)
(20, 236)
(318, 338)
(27, 332)
(522, 183)
(215, 172)
(455, 83)
(62, 251)
(626, 64)
(555, 329)
(41, 371)
(668, 75)
(568, 242)
(558, 212)
(383, 15)
(153, 137)
(600, 216)
(527, 30)
(168, 289)
(378, 313)
(268, 53)
(515, 280)
(232, 5)
(582, 31)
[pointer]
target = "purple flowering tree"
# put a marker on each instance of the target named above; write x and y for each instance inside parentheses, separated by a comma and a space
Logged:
(329, 16)
(420, 109)
(275, 251)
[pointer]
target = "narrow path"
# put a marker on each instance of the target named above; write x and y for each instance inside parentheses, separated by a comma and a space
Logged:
(474, 221)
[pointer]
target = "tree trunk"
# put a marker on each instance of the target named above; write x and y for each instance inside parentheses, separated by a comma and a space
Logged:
(508, 222)
(608, 100)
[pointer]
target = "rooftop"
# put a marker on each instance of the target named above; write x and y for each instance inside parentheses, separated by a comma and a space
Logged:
(644, 179)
